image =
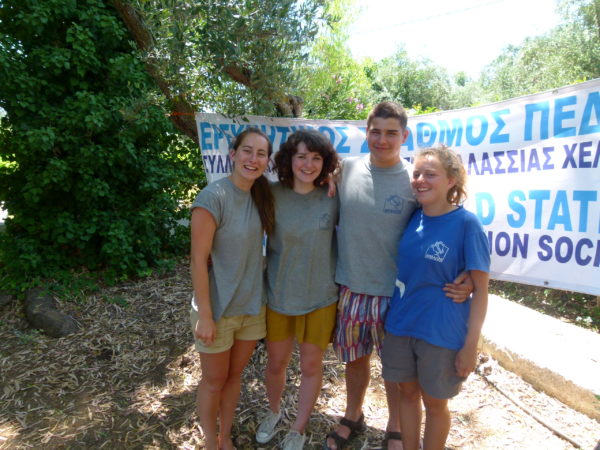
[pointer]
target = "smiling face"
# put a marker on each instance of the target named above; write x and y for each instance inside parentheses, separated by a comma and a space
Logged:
(306, 167)
(431, 184)
(251, 159)
(385, 137)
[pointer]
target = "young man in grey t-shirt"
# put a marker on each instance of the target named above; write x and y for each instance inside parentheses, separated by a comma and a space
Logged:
(376, 203)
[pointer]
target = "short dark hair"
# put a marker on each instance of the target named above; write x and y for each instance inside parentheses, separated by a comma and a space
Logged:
(388, 110)
(315, 142)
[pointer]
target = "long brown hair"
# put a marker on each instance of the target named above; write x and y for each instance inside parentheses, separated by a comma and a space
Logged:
(260, 191)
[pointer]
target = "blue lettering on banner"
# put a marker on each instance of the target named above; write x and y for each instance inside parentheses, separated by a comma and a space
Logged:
(485, 207)
(510, 161)
(410, 141)
(217, 164)
(563, 117)
(217, 135)
(560, 115)
(560, 214)
(531, 112)
(592, 104)
(364, 148)
(205, 132)
(224, 167)
(563, 211)
(426, 134)
(475, 129)
(451, 136)
(518, 220)
(578, 156)
(503, 243)
(473, 139)
(341, 147)
(584, 198)
(566, 249)
(497, 137)
(284, 133)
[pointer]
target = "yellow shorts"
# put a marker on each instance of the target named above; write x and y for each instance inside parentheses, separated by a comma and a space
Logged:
(316, 327)
(242, 328)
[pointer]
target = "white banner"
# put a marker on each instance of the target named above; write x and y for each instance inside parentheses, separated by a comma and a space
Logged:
(534, 177)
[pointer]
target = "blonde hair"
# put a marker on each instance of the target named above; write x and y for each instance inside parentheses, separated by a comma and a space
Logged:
(454, 168)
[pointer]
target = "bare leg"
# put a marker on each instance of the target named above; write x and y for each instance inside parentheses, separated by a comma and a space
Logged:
(215, 368)
(392, 392)
(410, 415)
(437, 422)
(240, 353)
(311, 367)
(279, 354)
(358, 375)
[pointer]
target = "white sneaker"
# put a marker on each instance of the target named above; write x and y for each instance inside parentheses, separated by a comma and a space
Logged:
(293, 441)
(266, 429)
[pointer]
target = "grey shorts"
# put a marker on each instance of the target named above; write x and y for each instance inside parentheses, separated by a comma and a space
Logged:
(407, 359)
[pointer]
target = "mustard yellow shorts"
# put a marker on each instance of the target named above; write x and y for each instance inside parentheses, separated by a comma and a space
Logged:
(316, 327)
(243, 328)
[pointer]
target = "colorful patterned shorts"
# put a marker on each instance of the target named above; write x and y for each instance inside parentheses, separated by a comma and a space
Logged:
(359, 324)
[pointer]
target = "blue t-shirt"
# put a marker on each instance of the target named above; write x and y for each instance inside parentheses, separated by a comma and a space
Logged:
(431, 253)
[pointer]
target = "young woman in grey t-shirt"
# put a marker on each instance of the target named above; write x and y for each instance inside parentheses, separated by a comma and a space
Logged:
(229, 218)
(301, 291)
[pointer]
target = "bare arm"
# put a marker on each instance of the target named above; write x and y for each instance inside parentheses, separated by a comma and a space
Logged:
(467, 356)
(203, 227)
(461, 288)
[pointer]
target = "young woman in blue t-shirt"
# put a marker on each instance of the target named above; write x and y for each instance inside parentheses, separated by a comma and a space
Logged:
(431, 342)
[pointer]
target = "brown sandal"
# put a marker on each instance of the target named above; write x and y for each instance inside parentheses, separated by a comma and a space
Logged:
(390, 436)
(354, 426)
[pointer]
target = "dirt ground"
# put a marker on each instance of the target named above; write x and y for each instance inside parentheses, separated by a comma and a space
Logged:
(127, 381)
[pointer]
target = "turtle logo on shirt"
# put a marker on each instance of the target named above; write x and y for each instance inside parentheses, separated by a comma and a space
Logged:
(325, 221)
(393, 204)
(437, 251)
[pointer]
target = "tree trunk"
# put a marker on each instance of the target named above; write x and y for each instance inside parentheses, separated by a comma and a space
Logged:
(183, 112)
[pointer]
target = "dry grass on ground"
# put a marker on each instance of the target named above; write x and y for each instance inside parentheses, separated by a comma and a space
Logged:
(127, 381)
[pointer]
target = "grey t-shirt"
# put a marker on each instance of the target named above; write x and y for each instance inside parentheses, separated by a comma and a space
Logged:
(301, 253)
(236, 278)
(375, 207)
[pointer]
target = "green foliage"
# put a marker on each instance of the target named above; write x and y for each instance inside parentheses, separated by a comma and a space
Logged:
(567, 54)
(234, 57)
(333, 84)
(414, 83)
(93, 171)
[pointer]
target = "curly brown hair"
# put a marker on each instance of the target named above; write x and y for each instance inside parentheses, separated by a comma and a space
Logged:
(315, 142)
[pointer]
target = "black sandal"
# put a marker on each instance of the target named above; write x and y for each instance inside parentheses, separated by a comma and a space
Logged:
(390, 436)
(354, 426)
